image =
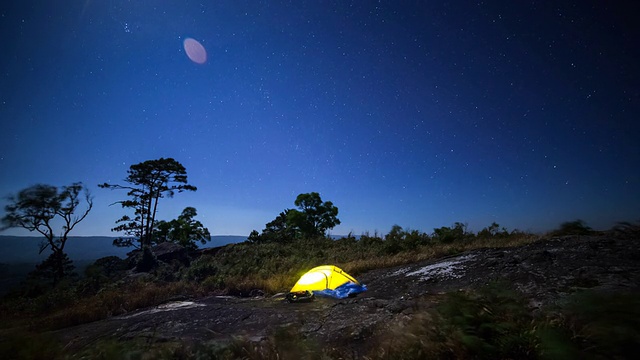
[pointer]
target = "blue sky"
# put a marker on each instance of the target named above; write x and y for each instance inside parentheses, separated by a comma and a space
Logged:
(419, 114)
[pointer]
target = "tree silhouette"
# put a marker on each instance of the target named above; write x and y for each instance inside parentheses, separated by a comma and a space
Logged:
(314, 217)
(148, 181)
(278, 230)
(184, 230)
(37, 208)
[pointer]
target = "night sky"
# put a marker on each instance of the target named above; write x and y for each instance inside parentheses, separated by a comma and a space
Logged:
(416, 113)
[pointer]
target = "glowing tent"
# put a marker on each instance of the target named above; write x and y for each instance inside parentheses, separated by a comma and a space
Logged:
(328, 280)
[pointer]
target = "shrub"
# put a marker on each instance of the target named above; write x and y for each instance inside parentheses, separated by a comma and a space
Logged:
(102, 272)
(494, 231)
(148, 260)
(448, 235)
(492, 323)
(495, 323)
(576, 227)
(607, 324)
(626, 229)
(29, 345)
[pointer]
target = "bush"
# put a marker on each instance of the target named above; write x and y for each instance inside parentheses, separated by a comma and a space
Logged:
(147, 261)
(492, 323)
(447, 235)
(102, 272)
(607, 324)
(495, 323)
(28, 345)
(398, 240)
(626, 229)
(576, 227)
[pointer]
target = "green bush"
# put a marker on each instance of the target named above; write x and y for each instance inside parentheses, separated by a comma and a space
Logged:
(398, 240)
(595, 325)
(202, 268)
(447, 235)
(493, 323)
(29, 345)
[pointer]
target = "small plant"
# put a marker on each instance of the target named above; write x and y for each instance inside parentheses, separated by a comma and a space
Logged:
(29, 345)
(448, 235)
(625, 229)
(147, 261)
(492, 323)
(596, 325)
(576, 227)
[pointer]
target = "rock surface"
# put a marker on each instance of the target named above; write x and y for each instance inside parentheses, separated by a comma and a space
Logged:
(544, 272)
(169, 252)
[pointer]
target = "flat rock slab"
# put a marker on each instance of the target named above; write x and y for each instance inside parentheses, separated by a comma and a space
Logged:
(543, 271)
(225, 318)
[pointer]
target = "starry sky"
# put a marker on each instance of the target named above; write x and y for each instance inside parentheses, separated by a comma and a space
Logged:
(416, 113)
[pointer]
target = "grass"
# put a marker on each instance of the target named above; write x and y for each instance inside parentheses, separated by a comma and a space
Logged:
(275, 267)
(69, 309)
(23, 344)
(495, 323)
(595, 324)
(117, 301)
(491, 323)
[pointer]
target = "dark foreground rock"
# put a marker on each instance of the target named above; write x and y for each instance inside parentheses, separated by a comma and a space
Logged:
(544, 272)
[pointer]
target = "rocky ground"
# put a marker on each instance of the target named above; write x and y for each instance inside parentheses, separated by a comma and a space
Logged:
(544, 272)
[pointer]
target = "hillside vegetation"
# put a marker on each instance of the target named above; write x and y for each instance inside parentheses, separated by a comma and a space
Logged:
(111, 286)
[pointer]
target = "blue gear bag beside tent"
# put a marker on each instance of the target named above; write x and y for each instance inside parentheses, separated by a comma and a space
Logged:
(342, 291)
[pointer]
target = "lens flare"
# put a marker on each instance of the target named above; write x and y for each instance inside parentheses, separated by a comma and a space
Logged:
(195, 51)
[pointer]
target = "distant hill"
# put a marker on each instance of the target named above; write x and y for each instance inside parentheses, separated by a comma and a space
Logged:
(24, 249)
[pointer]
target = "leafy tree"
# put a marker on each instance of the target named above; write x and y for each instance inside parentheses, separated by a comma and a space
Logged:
(55, 267)
(148, 181)
(447, 234)
(493, 231)
(39, 208)
(184, 230)
(399, 239)
(394, 239)
(278, 230)
(314, 217)
(254, 237)
(396, 233)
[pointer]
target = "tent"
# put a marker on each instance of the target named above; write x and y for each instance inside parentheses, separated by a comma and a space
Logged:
(328, 280)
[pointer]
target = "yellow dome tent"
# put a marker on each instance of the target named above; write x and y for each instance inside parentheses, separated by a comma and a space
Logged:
(322, 278)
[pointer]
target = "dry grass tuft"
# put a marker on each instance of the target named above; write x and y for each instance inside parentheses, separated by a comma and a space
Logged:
(117, 301)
